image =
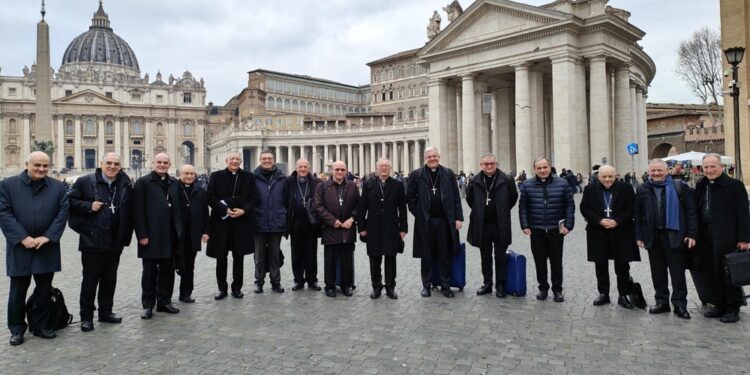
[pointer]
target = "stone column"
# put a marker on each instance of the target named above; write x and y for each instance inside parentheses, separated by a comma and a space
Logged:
(450, 154)
(540, 129)
(326, 158)
(459, 131)
(290, 159)
(117, 123)
(599, 132)
(59, 144)
(77, 146)
(172, 149)
(26, 146)
(349, 157)
(623, 130)
(405, 158)
(524, 159)
(564, 110)
(643, 150)
(581, 146)
(315, 162)
(468, 124)
(634, 126)
(148, 138)
(100, 138)
(438, 113)
(504, 139)
(361, 161)
(125, 142)
(418, 157)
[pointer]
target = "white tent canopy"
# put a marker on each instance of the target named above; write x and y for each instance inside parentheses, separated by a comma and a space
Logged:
(696, 158)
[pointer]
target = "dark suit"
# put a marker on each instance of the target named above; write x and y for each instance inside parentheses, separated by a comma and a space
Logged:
(302, 235)
(666, 249)
(191, 222)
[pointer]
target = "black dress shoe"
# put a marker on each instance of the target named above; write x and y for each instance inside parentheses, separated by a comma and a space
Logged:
(542, 295)
(376, 292)
(16, 339)
(313, 286)
(714, 313)
(681, 312)
(624, 301)
(500, 293)
(730, 317)
(603, 299)
(277, 289)
(447, 292)
(484, 290)
(168, 308)
(331, 292)
(110, 318)
(45, 334)
(258, 289)
(558, 297)
(220, 296)
(426, 292)
(147, 313)
(391, 293)
(87, 325)
(298, 286)
(659, 309)
(238, 293)
(186, 299)
(347, 291)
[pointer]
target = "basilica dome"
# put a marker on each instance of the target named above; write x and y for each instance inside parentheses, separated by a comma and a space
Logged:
(100, 45)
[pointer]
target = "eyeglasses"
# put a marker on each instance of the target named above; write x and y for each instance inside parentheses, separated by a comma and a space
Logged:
(116, 164)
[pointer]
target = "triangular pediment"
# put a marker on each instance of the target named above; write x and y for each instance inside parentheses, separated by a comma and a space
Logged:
(86, 97)
(490, 19)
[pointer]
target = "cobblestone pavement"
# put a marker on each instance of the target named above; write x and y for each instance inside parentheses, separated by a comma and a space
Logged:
(306, 332)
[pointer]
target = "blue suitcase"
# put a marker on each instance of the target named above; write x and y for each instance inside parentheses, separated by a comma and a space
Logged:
(515, 280)
(458, 270)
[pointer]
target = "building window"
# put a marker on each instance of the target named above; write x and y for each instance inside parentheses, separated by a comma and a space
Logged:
(423, 113)
(109, 128)
(69, 141)
(159, 129)
(11, 91)
(69, 128)
(411, 113)
(108, 94)
(137, 128)
(160, 99)
(400, 115)
(109, 141)
(68, 92)
(90, 127)
(187, 130)
(12, 126)
(187, 98)
(137, 142)
(135, 97)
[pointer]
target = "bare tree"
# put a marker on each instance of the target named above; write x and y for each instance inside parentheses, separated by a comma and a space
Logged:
(699, 65)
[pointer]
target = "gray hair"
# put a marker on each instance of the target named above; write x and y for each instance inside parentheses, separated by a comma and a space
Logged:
(538, 160)
(488, 155)
(431, 149)
(384, 160)
(108, 154)
(657, 161)
(712, 155)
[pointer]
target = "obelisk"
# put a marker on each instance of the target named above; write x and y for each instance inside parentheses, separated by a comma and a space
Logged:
(43, 122)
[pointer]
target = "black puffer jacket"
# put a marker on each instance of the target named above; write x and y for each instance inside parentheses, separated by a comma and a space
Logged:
(543, 204)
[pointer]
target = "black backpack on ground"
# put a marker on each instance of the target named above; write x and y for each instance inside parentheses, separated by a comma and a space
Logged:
(57, 318)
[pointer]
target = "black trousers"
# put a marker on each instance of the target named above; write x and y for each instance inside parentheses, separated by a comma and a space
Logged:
(157, 282)
(267, 258)
(390, 271)
(99, 270)
(333, 254)
(548, 245)
(187, 273)
(39, 315)
(238, 268)
(722, 293)
(439, 241)
(304, 252)
(663, 258)
(622, 270)
(490, 244)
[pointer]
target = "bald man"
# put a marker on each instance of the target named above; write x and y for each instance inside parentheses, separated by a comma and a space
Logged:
(191, 226)
(609, 207)
(155, 230)
(100, 212)
(33, 213)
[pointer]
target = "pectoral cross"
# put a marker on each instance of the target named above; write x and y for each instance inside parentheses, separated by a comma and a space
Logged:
(487, 202)
(112, 207)
(434, 190)
(341, 201)
(608, 211)
(304, 204)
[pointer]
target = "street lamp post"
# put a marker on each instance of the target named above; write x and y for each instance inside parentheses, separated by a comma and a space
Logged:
(734, 57)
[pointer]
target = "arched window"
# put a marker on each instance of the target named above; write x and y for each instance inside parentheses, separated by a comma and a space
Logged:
(159, 129)
(270, 102)
(109, 128)
(279, 103)
(89, 127)
(287, 105)
(69, 130)
(12, 126)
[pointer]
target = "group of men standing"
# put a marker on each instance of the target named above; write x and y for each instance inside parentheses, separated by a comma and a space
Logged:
(252, 211)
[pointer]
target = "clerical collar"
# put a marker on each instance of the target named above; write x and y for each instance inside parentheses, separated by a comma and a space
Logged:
(488, 176)
(433, 170)
(339, 182)
(188, 185)
(383, 179)
(302, 178)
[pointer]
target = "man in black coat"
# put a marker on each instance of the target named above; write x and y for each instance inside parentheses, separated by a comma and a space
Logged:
(191, 223)
(303, 234)
(433, 198)
(33, 212)
(491, 194)
(724, 227)
(546, 211)
(382, 223)
(100, 212)
(155, 230)
(666, 224)
(609, 207)
(232, 197)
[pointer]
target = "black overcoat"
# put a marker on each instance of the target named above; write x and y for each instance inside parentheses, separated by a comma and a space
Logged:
(291, 189)
(418, 201)
(199, 220)
(730, 215)
(26, 212)
(328, 210)
(617, 243)
(94, 228)
(152, 216)
(383, 215)
(505, 197)
(235, 191)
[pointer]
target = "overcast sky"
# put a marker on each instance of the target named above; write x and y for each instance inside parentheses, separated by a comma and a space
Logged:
(221, 40)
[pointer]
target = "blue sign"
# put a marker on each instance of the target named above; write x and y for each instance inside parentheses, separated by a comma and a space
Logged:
(632, 148)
